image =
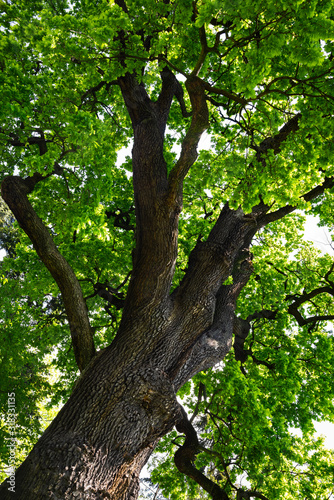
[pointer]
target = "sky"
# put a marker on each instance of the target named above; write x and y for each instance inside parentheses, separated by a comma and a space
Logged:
(321, 239)
(318, 235)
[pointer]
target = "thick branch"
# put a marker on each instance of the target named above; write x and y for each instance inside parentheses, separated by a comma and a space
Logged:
(241, 327)
(156, 220)
(111, 295)
(136, 99)
(92, 91)
(216, 341)
(247, 495)
(185, 456)
(122, 4)
(171, 87)
(305, 297)
(211, 262)
(203, 53)
(225, 93)
(14, 192)
(272, 143)
(40, 141)
(275, 141)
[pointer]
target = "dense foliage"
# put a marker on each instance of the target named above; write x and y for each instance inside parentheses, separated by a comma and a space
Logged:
(267, 73)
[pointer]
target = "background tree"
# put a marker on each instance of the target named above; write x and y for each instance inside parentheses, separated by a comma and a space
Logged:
(176, 270)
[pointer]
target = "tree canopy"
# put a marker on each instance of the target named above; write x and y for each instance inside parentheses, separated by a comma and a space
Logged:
(95, 240)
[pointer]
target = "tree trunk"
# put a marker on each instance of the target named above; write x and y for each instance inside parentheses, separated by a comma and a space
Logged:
(124, 401)
(103, 436)
(101, 439)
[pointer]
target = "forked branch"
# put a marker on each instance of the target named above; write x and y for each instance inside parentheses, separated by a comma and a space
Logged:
(185, 456)
(306, 297)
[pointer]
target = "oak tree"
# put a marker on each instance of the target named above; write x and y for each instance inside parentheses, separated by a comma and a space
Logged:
(180, 268)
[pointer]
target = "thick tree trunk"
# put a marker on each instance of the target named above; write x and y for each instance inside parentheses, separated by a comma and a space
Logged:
(103, 436)
(125, 399)
(101, 439)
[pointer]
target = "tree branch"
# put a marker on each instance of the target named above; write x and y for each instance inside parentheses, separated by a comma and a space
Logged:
(247, 495)
(185, 456)
(215, 341)
(305, 297)
(170, 87)
(156, 219)
(199, 123)
(41, 142)
(121, 218)
(225, 93)
(14, 191)
(106, 292)
(288, 209)
(241, 327)
(203, 53)
(275, 141)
